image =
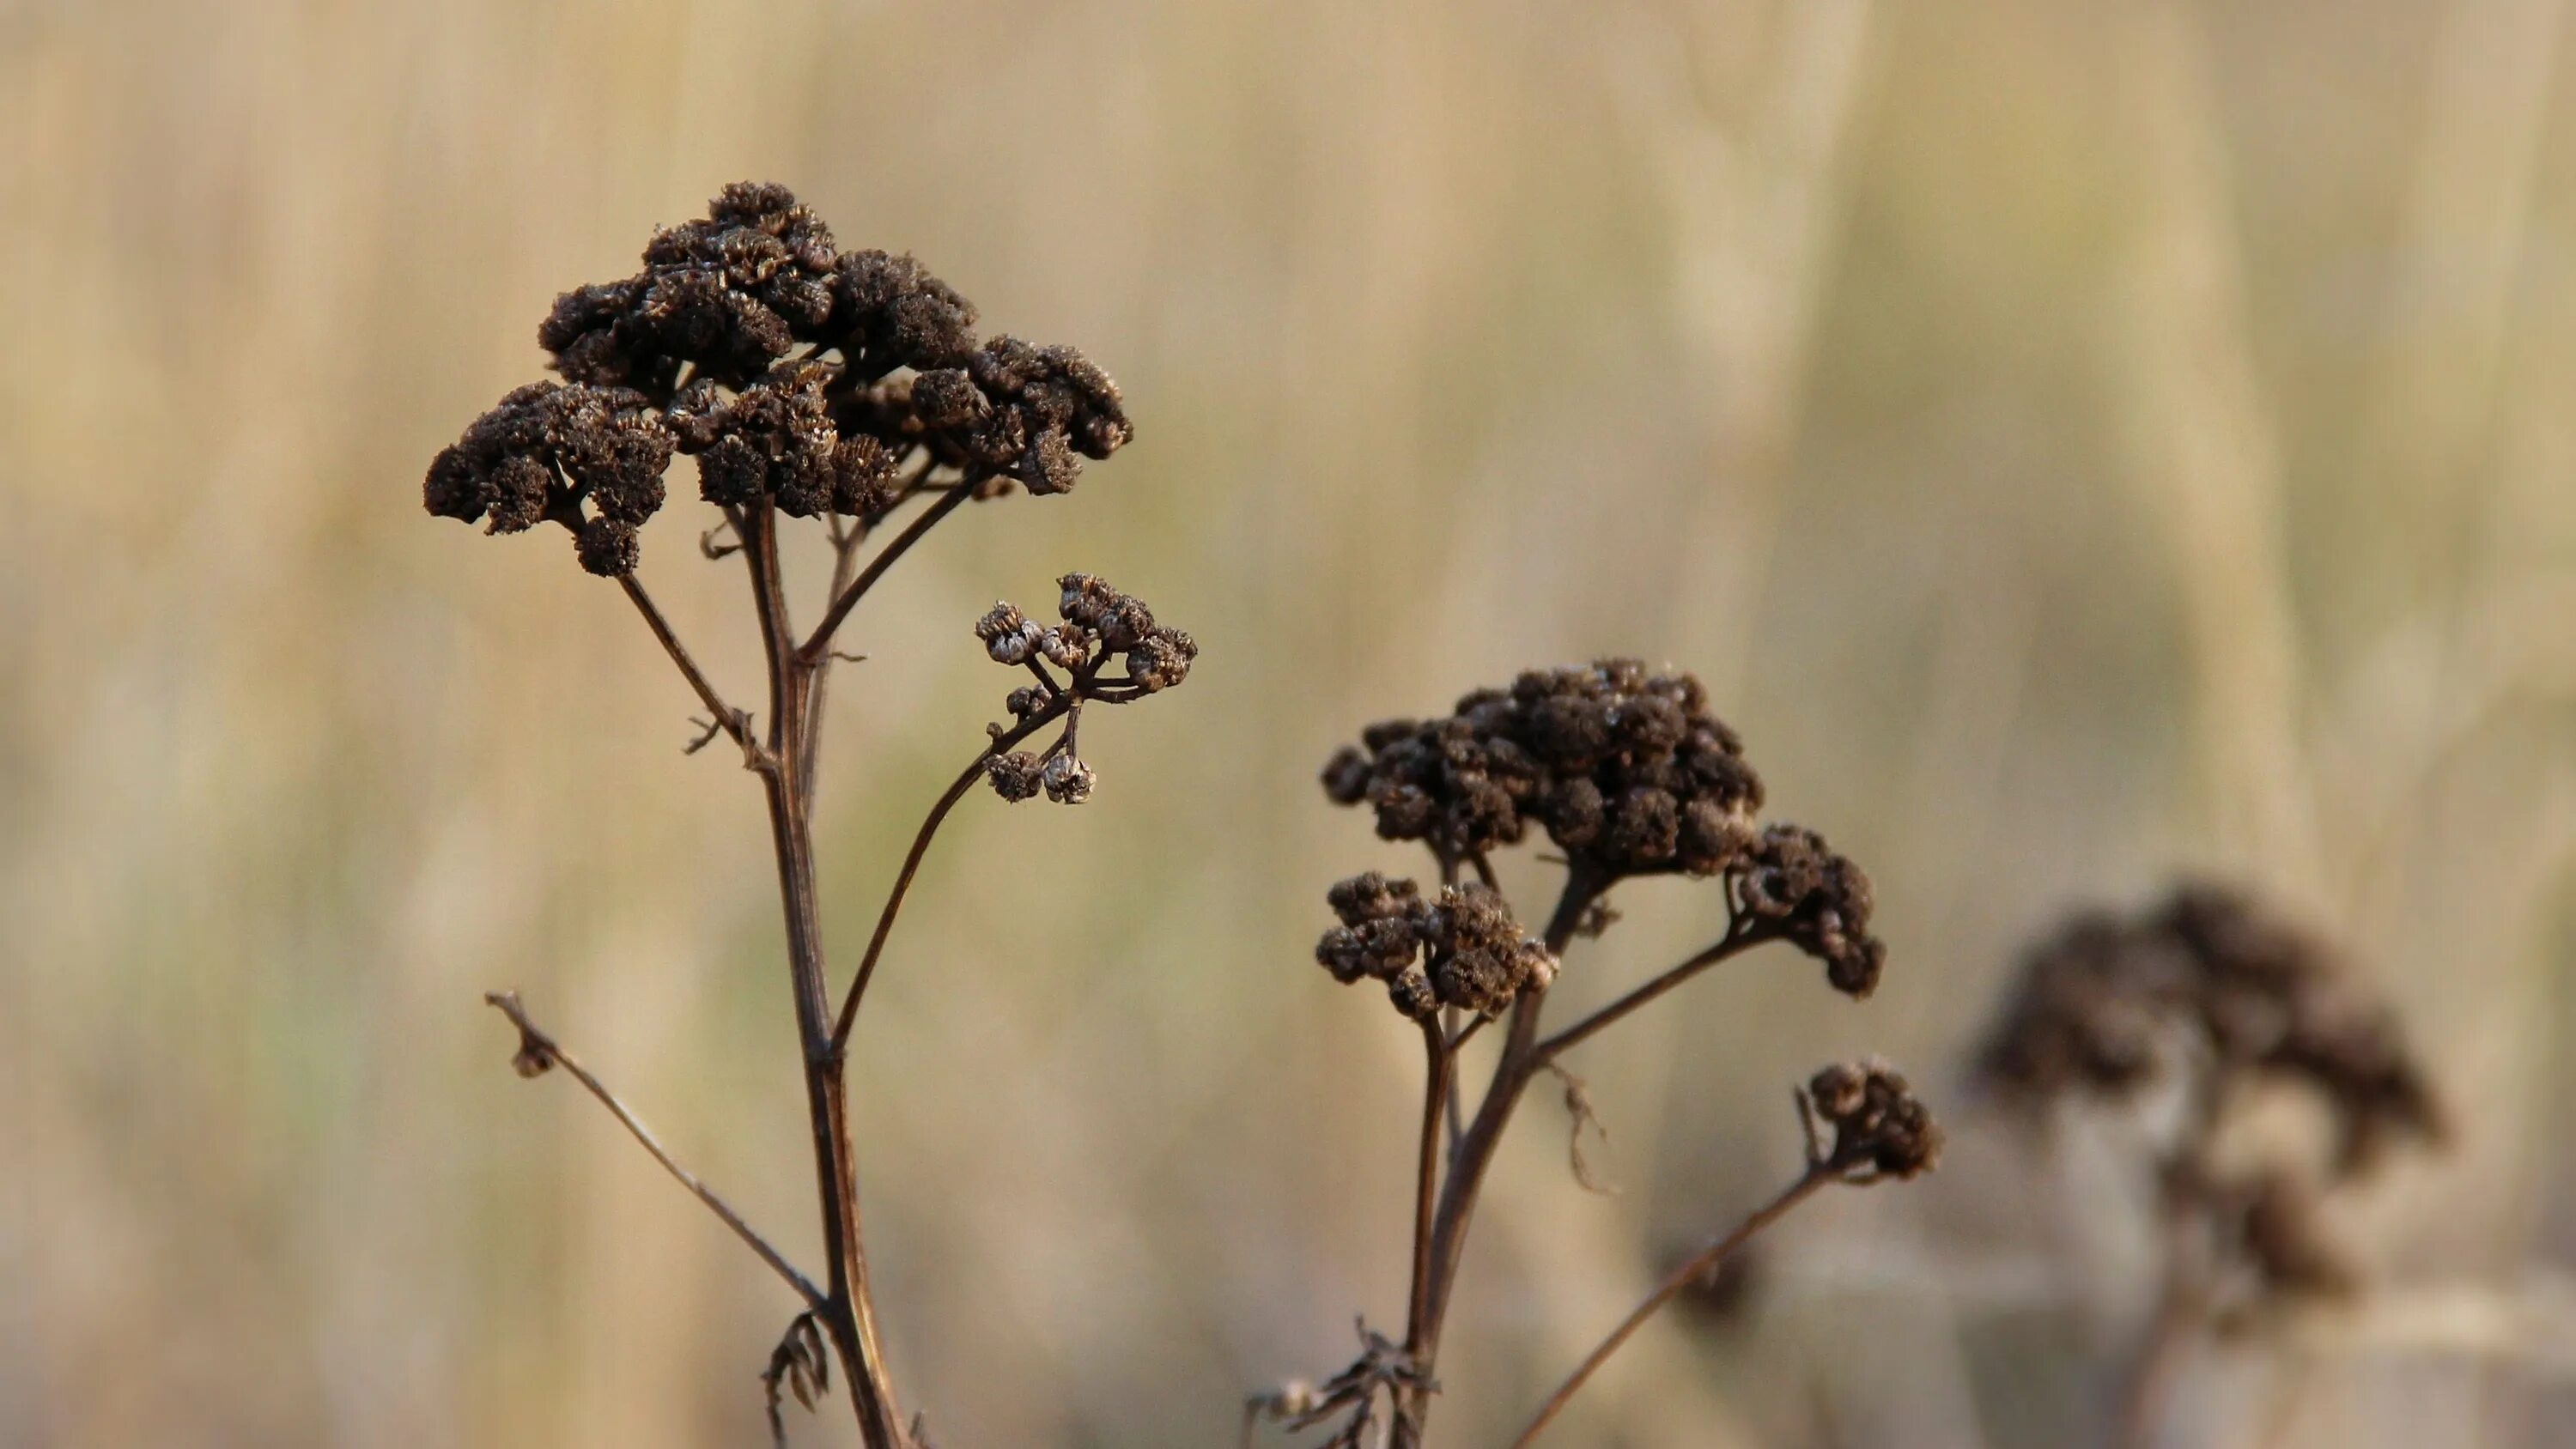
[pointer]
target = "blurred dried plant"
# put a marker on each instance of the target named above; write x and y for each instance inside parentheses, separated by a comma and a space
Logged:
(1629, 774)
(809, 382)
(2210, 1002)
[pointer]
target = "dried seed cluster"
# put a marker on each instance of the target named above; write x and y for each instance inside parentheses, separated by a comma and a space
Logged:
(1463, 949)
(1100, 625)
(699, 352)
(2210, 988)
(1628, 772)
(1879, 1128)
(2209, 977)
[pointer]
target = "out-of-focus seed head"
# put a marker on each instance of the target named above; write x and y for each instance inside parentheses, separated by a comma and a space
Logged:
(1820, 901)
(2209, 981)
(1879, 1128)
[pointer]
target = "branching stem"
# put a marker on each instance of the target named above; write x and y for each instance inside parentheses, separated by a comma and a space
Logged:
(539, 1050)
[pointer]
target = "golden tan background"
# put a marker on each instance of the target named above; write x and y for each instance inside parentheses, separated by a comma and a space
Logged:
(2076, 441)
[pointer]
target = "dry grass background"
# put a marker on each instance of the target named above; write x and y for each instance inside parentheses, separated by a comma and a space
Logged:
(2077, 440)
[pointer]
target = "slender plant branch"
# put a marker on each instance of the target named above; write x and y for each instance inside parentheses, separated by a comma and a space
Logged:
(845, 562)
(1439, 1072)
(849, 1315)
(539, 1050)
(819, 642)
(733, 722)
(1475, 1155)
(912, 859)
(1819, 1172)
(1739, 938)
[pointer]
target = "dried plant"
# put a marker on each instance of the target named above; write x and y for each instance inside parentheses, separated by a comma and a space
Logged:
(849, 387)
(1627, 773)
(2210, 1003)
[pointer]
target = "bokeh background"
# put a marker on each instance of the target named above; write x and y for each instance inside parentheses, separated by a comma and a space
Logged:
(2078, 442)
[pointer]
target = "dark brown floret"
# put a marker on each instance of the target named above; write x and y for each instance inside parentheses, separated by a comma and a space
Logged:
(546, 450)
(1463, 950)
(1817, 900)
(775, 439)
(1047, 405)
(607, 547)
(1014, 776)
(1879, 1128)
(889, 312)
(1161, 659)
(1623, 768)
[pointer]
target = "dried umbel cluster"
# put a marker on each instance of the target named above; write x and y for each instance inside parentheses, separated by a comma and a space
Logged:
(1462, 949)
(1100, 626)
(1878, 1128)
(798, 375)
(811, 383)
(2211, 997)
(1627, 772)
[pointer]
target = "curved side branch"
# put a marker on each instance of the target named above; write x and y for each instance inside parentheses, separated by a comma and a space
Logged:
(912, 859)
(735, 723)
(819, 642)
(538, 1051)
(1735, 942)
(1818, 1174)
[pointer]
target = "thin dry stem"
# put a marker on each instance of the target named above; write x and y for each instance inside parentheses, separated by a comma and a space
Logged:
(538, 1047)
(1697, 1266)
(819, 642)
(912, 859)
(1738, 939)
(735, 723)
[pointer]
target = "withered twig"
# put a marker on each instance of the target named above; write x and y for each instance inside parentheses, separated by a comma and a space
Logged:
(733, 722)
(1737, 940)
(538, 1051)
(817, 643)
(912, 859)
(1698, 1265)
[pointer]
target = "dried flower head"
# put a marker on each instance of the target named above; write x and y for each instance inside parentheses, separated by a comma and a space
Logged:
(1463, 949)
(2209, 991)
(1014, 776)
(1068, 781)
(1878, 1127)
(2210, 982)
(547, 450)
(700, 351)
(1101, 624)
(1628, 772)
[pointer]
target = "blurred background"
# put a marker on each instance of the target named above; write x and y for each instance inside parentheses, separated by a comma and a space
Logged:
(2077, 442)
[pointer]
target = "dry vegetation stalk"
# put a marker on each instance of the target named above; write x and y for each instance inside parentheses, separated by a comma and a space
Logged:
(849, 387)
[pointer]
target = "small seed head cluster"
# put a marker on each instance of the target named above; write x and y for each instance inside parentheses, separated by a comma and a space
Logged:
(1463, 949)
(1100, 625)
(699, 353)
(1627, 772)
(1879, 1129)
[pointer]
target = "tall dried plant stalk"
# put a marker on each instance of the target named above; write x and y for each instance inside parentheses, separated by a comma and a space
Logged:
(811, 383)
